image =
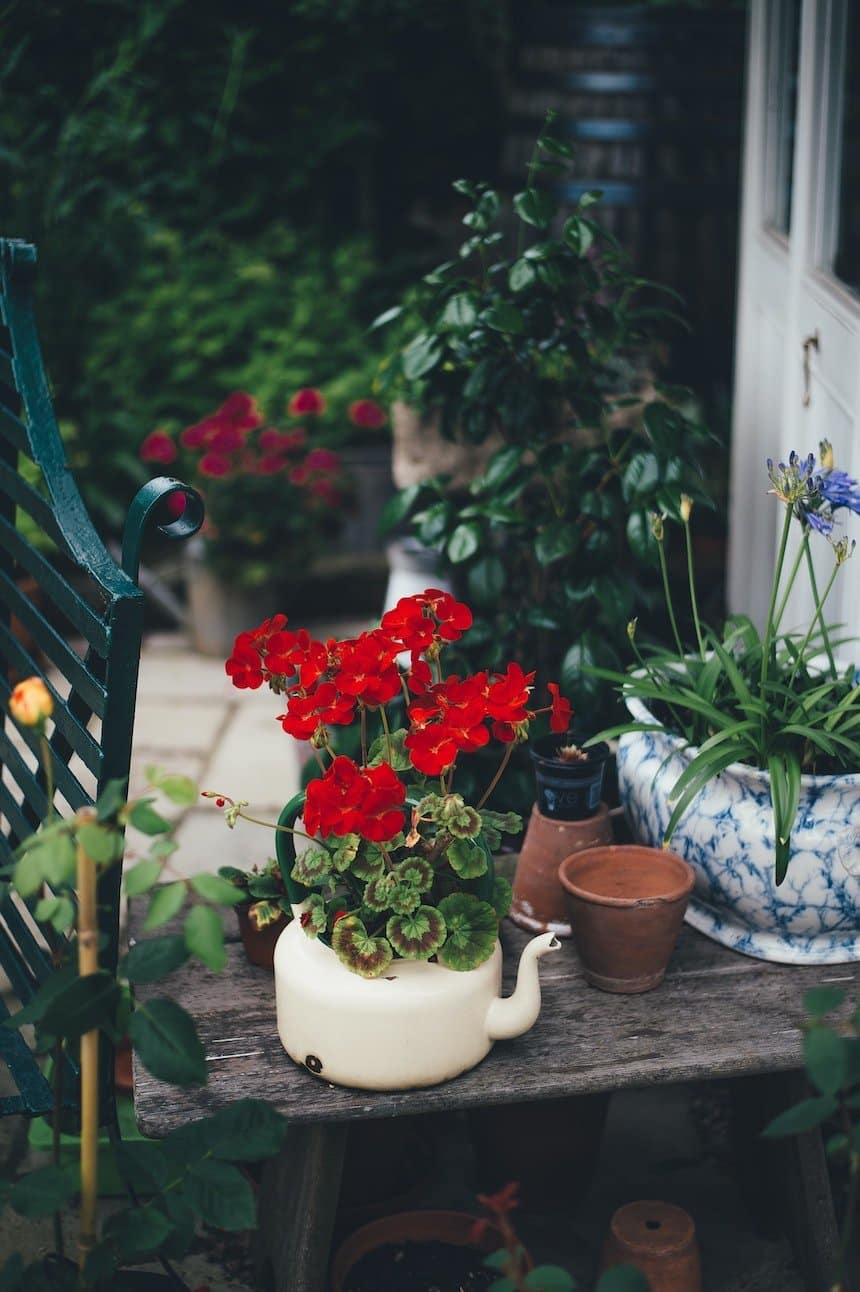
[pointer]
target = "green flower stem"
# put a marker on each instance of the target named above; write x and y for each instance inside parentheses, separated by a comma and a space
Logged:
(659, 682)
(664, 570)
(819, 615)
(385, 727)
(813, 583)
(769, 625)
(692, 581)
(804, 547)
(273, 825)
(48, 764)
(318, 756)
(506, 758)
(363, 736)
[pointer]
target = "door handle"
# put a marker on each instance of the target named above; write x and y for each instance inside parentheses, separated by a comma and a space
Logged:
(810, 343)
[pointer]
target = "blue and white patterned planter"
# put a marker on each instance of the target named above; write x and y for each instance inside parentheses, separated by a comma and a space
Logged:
(727, 837)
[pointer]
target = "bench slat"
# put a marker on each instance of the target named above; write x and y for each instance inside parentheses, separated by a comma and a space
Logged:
(718, 1014)
(64, 780)
(65, 722)
(55, 586)
(56, 647)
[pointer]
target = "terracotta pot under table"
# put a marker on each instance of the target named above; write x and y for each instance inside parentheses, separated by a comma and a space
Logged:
(453, 1228)
(626, 907)
(539, 902)
(658, 1239)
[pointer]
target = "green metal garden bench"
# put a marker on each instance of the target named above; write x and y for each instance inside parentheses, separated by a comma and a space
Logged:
(71, 614)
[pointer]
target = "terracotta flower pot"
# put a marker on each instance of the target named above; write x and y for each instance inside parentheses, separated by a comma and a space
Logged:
(259, 944)
(658, 1239)
(452, 1228)
(539, 903)
(568, 789)
(626, 907)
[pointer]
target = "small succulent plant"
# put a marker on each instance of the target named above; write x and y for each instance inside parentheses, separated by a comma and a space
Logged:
(266, 896)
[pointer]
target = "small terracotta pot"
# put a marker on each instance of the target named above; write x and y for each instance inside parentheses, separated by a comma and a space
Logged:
(259, 944)
(626, 907)
(659, 1239)
(539, 903)
(454, 1228)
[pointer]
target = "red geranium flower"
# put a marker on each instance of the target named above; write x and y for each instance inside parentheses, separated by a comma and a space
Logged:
(561, 711)
(508, 695)
(215, 465)
(196, 436)
(368, 668)
(299, 476)
(245, 667)
(269, 440)
(176, 504)
(271, 463)
(324, 706)
(240, 411)
(308, 401)
(158, 447)
(322, 460)
(366, 412)
(356, 800)
(227, 438)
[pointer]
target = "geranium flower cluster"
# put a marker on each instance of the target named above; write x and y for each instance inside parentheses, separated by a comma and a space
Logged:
(234, 441)
(332, 683)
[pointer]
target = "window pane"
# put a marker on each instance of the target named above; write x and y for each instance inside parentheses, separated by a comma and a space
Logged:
(846, 262)
(784, 25)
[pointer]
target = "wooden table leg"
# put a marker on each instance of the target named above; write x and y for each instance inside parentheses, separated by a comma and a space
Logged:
(299, 1193)
(790, 1176)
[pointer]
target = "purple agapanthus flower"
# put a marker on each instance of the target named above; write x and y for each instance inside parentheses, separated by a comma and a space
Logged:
(814, 493)
(839, 489)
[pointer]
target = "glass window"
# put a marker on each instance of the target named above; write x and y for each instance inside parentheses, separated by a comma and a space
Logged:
(846, 261)
(784, 30)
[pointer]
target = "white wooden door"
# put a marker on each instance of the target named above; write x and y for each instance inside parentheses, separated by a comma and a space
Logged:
(797, 365)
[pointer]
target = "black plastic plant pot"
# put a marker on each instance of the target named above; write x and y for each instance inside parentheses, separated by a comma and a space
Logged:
(568, 789)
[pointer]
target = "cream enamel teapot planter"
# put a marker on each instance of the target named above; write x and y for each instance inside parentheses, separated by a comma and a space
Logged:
(417, 1025)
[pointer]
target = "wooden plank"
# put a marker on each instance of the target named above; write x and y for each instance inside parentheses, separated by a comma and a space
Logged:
(298, 1203)
(718, 1014)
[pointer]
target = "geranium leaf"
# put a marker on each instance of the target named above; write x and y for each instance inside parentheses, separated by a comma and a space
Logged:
(472, 931)
(467, 859)
(416, 872)
(502, 896)
(312, 866)
(359, 951)
(404, 898)
(417, 936)
(378, 893)
(314, 918)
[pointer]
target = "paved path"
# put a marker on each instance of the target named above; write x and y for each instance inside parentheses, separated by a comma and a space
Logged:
(191, 719)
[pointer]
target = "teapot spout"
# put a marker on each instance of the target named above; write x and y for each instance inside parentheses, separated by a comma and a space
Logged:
(512, 1015)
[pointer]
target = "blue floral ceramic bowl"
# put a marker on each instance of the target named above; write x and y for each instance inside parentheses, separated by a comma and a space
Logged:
(727, 837)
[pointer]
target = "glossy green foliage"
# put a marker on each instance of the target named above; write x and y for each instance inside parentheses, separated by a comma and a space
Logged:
(192, 1175)
(129, 127)
(545, 339)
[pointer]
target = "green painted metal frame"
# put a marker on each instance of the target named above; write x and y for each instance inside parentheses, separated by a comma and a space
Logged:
(103, 684)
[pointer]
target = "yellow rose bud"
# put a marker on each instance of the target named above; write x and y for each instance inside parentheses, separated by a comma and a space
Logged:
(825, 454)
(631, 628)
(657, 526)
(686, 507)
(31, 703)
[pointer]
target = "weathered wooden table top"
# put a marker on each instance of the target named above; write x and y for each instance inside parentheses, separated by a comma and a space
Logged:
(717, 1014)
